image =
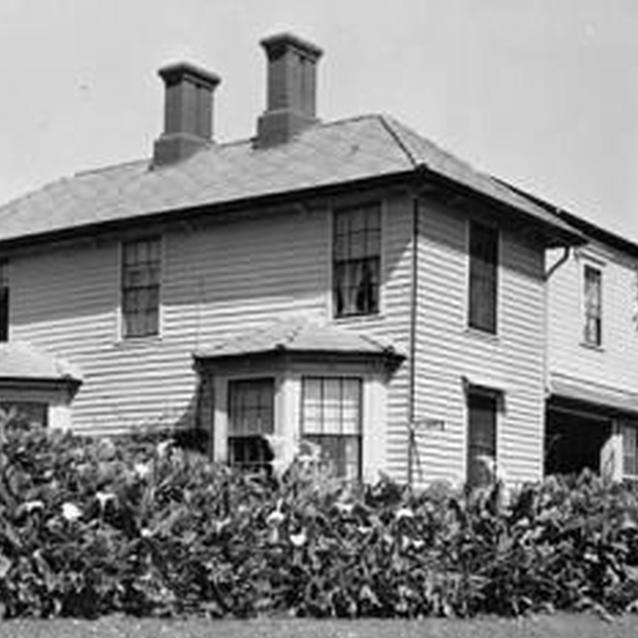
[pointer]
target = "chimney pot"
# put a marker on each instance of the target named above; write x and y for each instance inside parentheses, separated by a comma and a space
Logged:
(188, 110)
(291, 88)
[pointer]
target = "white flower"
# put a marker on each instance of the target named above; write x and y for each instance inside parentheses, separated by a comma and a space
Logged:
(404, 512)
(344, 508)
(71, 512)
(104, 497)
(162, 448)
(275, 518)
(30, 506)
(142, 469)
(300, 539)
(145, 532)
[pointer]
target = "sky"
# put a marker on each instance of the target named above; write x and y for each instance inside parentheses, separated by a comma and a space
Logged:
(541, 93)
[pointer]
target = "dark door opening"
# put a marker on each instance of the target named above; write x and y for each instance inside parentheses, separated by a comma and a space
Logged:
(574, 441)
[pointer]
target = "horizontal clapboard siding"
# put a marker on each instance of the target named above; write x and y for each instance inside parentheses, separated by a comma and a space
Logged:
(615, 364)
(447, 351)
(217, 280)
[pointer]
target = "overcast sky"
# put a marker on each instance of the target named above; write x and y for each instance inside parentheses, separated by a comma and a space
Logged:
(543, 93)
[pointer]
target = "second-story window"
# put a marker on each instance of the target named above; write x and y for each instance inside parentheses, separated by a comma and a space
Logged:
(140, 287)
(4, 300)
(593, 306)
(483, 286)
(356, 260)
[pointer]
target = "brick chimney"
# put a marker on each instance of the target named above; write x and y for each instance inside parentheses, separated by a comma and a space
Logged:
(291, 94)
(188, 110)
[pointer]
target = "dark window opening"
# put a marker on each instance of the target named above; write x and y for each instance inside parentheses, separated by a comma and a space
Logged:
(141, 287)
(593, 306)
(357, 260)
(481, 444)
(331, 419)
(483, 277)
(250, 422)
(574, 441)
(630, 451)
(4, 301)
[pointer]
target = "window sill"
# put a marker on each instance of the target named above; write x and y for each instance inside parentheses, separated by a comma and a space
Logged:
(490, 337)
(359, 318)
(138, 342)
(592, 346)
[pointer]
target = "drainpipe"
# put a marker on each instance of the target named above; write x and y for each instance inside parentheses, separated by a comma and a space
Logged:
(414, 289)
(564, 258)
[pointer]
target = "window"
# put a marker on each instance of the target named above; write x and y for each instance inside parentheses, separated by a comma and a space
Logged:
(483, 287)
(24, 414)
(593, 306)
(356, 260)
(250, 420)
(140, 287)
(331, 419)
(630, 450)
(481, 439)
(4, 300)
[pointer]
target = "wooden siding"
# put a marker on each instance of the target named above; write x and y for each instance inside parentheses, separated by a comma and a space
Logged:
(231, 275)
(614, 364)
(217, 280)
(447, 351)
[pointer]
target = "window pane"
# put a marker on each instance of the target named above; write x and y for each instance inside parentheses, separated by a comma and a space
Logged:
(250, 407)
(140, 287)
(630, 450)
(331, 418)
(356, 251)
(483, 277)
(593, 306)
(481, 437)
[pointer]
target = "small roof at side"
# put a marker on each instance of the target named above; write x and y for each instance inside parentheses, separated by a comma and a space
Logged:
(299, 335)
(22, 361)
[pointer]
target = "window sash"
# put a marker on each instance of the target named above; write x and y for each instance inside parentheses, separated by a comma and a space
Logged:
(483, 279)
(593, 305)
(250, 419)
(481, 436)
(630, 450)
(141, 269)
(357, 260)
(331, 418)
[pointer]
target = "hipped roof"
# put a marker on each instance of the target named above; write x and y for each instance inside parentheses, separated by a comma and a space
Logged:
(22, 361)
(325, 155)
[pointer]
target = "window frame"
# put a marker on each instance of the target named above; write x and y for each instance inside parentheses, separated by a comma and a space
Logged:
(5, 300)
(315, 438)
(122, 327)
(586, 341)
(261, 435)
(335, 263)
(634, 456)
(471, 322)
(478, 393)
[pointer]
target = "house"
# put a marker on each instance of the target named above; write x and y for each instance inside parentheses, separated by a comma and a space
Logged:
(592, 408)
(348, 283)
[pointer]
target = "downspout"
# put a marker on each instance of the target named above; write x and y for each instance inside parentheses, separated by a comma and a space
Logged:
(414, 289)
(563, 259)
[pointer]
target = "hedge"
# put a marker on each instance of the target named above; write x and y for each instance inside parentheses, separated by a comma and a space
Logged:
(140, 526)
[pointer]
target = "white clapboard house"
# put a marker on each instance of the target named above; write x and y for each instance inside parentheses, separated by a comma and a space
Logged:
(347, 283)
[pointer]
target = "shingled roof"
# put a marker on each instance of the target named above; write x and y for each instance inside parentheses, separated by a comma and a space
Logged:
(324, 155)
(24, 362)
(299, 335)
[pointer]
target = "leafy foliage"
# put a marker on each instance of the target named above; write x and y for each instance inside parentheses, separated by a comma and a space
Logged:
(140, 526)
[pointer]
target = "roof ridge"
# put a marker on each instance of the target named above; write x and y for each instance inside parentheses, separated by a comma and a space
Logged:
(389, 123)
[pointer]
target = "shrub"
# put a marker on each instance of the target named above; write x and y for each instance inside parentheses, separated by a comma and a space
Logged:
(140, 526)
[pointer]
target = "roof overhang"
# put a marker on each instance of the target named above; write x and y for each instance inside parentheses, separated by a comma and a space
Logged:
(599, 398)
